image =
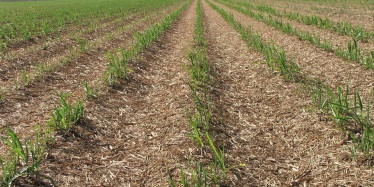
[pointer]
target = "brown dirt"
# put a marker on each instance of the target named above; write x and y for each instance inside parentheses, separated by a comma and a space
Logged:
(137, 129)
(314, 62)
(268, 124)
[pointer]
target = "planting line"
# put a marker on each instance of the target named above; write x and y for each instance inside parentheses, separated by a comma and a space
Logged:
(210, 167)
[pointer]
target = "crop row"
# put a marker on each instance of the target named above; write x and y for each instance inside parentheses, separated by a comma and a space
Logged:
(24, 157)
(200, 116)
(117, 67)
(352, 52)
(350, 115)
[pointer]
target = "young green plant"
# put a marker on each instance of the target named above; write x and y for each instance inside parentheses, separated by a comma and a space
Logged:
(66, 114)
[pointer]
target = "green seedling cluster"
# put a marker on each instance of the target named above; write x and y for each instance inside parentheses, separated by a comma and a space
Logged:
(24, 158)
(40, 70)
(66, 114)
(84, 45)
(91, 93)
(275, 58)
(117, 69)
(202, 176)
(350, 114)
(117, 66)
(268, 9)
(22, 80)
(352, 53)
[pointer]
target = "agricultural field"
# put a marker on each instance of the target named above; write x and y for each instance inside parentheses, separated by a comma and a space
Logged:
(187, 93)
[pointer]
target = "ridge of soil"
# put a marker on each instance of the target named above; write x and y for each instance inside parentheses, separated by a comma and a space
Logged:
(269, 126)
(135, 131)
